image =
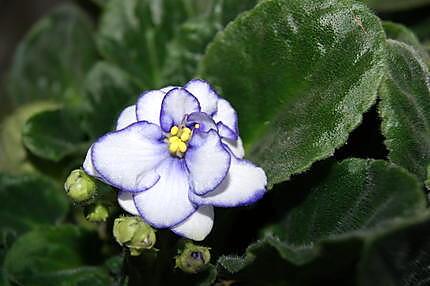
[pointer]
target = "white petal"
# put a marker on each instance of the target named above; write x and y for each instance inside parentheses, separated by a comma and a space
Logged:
(127, 158)
(198, 225)
(177, 103)
(88, 164)
(168, 88)
(244, 184)
(205, 121)
(207, 161)
(235, 146)
(227, 115)
(127, 117)
(204, 93)
(125, 200)
(149, 105)
(166, 203)
(225, 132)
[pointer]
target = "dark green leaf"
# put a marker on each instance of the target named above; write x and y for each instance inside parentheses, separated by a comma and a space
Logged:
(53, 57)
(300, 74)
(401, 33)
(396, 5)
(53, 135)
(27, 201)
(399, 257)
(109, 91)
(351, 202)
(405, 108)
(53, 256)
(160, 42)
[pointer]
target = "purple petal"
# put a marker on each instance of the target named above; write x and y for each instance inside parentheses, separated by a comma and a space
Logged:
(227, 115)
(244, 184)
(148, 106)
(198, 225)
(166, 204)
(127, 117)
(235, 146)
(205, 121)
(177, 103)
(125, 200)
(127, 158)
(205, 94)
(225, 132)
(207, 161)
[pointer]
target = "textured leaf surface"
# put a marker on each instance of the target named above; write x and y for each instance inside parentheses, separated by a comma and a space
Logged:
(161, 42)
(400, 257)
(53, 135)
(109, 90)
(405, 109)
(396, 5)
(351, 203)
(53, 256)
(27, 201)
(53, 57)
(300, 74)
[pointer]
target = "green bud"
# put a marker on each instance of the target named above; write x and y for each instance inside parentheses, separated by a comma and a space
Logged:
(134, 233)
(97, 213)
(193, 258)
(79, 186)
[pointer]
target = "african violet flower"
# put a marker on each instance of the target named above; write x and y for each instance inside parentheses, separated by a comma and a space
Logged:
(174, 156)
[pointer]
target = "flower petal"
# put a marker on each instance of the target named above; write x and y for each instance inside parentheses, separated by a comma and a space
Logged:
(168, 88)
(127, 117)
(198, 225)
(227, 115)
(236, 147)
(125, 200)
(207, 161)
(88, 165)
(225, 132)
(166, 203)
(127, 158)
(148, 106)
(177, 103)
(205, 121)
(204, 93)
(244, 184)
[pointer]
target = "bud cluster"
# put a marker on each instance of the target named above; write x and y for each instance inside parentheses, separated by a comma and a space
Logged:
(193, 258)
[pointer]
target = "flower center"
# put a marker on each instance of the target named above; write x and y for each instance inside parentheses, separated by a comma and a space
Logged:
(178, 138)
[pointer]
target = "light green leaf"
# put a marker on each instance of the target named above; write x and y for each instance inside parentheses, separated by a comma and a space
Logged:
(300, 74)
(403, 34)
(405, 108)
(396, 5)
(53, 256)
(13, 156)
(351, 203)
(53, 57)
(399, 257)
(108, 90)
(27, 201)
(53, 135)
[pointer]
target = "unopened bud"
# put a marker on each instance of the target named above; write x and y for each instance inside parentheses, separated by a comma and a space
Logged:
(97, 213)
(134, 233)
(79, 186)
(193, 258)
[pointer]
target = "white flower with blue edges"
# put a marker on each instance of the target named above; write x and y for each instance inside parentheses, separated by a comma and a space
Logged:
(175, 155)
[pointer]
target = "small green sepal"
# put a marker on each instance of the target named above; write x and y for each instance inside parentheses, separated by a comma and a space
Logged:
(193, 258)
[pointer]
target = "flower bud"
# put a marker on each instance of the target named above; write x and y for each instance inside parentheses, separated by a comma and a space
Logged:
(134, 233)
(193, 258)
(97, 213)
(79, 186)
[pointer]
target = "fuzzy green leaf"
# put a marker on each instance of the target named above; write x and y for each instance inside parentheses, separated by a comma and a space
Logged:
(53, 256)
(53, 57)
(351, 203)
(405, 108)
(396, 5)
(300, 74)
(18, 210)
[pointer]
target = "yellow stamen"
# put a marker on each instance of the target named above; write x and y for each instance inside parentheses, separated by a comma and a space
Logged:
(174, 146)
(197, 126)
(174, 130)
(173, 139)
(185, 136)
(182, 147)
